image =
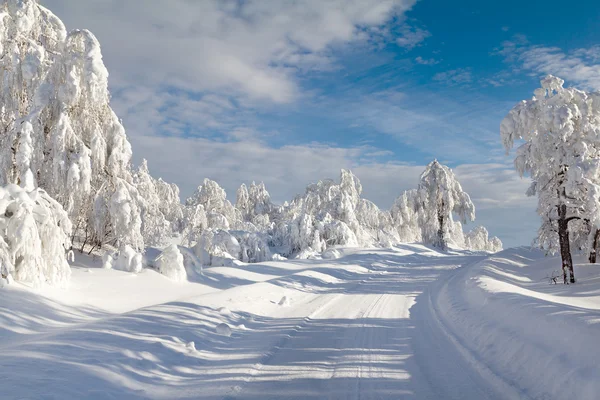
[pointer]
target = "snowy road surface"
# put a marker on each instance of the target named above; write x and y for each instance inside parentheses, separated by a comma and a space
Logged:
(365, 326)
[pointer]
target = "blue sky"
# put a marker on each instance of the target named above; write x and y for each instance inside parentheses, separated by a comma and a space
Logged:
(290, 92)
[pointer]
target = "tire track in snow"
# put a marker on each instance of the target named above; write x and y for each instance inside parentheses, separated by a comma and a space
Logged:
(279, 346)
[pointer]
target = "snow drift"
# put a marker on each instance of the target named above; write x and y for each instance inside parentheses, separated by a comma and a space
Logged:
(507, 314)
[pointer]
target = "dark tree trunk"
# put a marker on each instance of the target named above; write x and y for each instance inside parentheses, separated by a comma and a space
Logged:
(565, 246)
(440, 233)
(594, 247)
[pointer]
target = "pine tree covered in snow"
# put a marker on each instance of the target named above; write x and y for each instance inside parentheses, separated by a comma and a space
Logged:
(561, 133)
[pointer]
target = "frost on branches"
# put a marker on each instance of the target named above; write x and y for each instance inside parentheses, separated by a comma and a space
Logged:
(55, 110)
(560, 131)
(34, 237)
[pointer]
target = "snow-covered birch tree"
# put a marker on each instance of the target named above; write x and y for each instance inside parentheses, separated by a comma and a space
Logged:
(560, 130)
(440, 197)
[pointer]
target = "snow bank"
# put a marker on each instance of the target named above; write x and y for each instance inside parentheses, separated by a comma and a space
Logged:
(536, 337)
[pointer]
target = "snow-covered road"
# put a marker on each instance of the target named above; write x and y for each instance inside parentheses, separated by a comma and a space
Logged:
(364, 326)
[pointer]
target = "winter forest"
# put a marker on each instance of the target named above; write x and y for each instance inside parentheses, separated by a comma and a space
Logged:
(70, 192)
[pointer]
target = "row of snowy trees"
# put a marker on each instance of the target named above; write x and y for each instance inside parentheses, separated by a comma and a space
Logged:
(559, 131)
(329, 214)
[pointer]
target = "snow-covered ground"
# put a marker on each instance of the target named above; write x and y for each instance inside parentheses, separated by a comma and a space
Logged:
(532, 338)
(397, 323)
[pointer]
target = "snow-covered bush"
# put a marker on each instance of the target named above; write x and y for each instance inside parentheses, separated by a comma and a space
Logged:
(254, 246)
(478, 240)
(170, 264)
(217, 248)
(34, 237)
(128, 260)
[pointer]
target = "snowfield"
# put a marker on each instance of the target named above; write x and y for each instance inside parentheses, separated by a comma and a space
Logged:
(405, 322)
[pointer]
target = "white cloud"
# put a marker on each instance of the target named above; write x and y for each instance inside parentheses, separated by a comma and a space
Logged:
(250, 48)
(412, 37)
(580, 66)
(455, 76)
(463, 127)
(426, 61)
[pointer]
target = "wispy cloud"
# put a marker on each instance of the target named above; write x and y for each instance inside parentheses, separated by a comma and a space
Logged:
(252, 49)
(426, 61)
(578, 66)
(412, 37)
(454, 77)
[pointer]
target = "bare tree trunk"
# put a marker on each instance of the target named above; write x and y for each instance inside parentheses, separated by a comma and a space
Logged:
(440, 233)
(565, 246)
(592, 257)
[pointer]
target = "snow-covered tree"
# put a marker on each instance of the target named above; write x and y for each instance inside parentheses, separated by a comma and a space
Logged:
(55, 104)
(34, 237)
(161, 210)
(405, 218)
(220, 213)
(440, 197)
(560, 129)
(255, 206)
(170, 204)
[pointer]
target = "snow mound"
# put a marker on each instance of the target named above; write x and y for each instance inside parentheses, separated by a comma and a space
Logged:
(170, 264)
(108, 260)
(223, 329)
(331, 254)
(191, 346)
(224, 311)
